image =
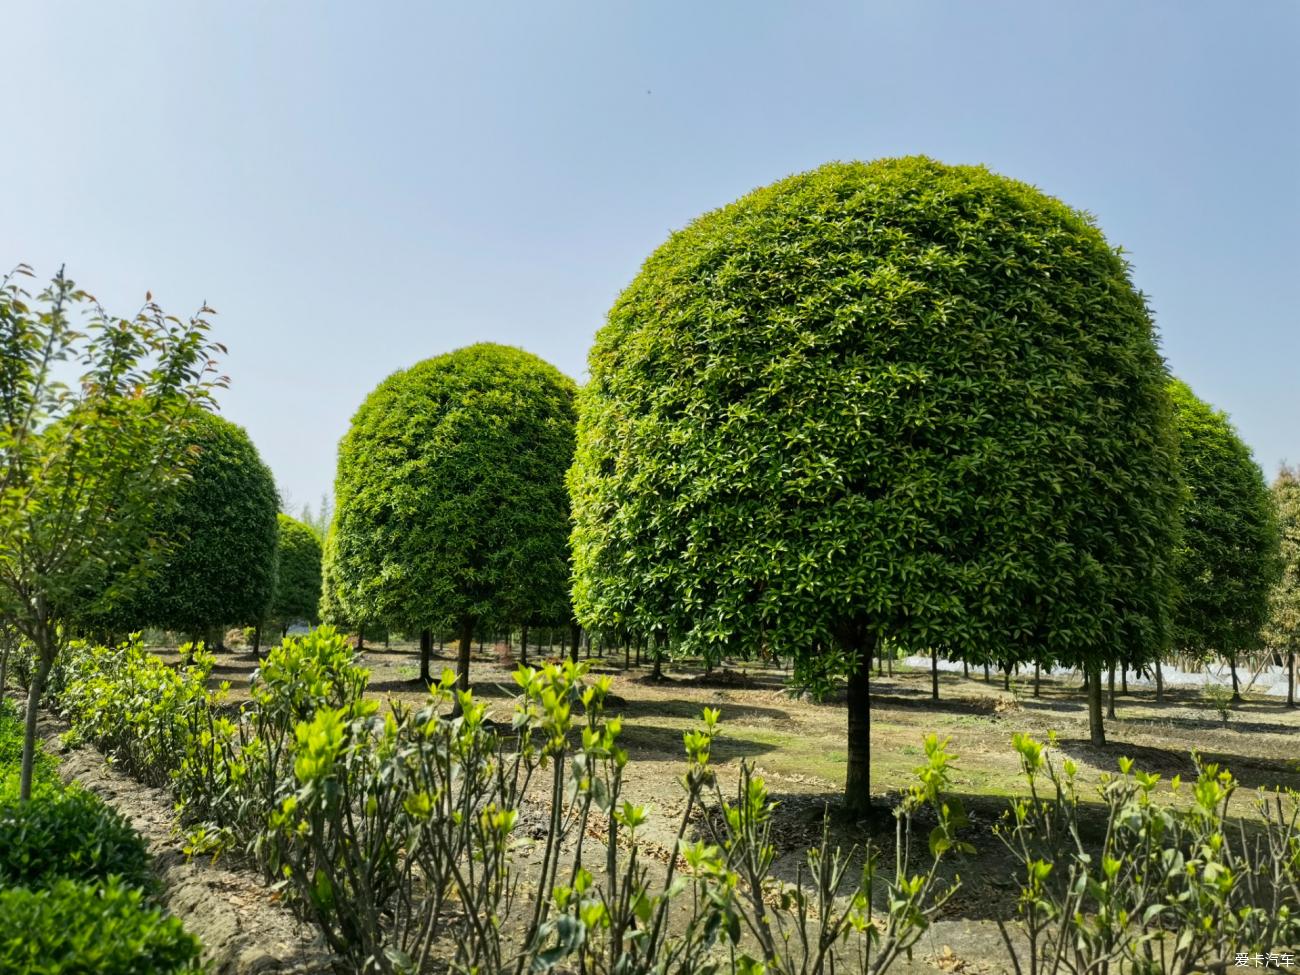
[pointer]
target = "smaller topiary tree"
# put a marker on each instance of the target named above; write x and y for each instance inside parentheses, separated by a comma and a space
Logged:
(1282, 628)
(450, 505)
(220, 569)
(297, 592)
(1227, 561)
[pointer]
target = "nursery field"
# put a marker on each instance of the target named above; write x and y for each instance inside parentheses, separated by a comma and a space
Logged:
(797, 745)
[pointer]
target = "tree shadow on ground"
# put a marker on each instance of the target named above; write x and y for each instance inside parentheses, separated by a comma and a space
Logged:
(1250, 771)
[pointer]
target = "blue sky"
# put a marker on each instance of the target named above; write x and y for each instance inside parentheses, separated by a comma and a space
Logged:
(356, 187)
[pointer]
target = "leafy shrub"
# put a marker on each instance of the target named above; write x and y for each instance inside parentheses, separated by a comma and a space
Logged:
(68, 833)
(11, 747)
(1169, 885)
(140, 712)
(74, 928)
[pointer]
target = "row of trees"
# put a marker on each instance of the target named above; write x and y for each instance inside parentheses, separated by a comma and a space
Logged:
(894, 401)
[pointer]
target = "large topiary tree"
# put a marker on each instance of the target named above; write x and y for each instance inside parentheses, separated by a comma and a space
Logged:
(223, 523)
(1227, 560)
(297, 593)
(450, 505)
(1282, 628)
(893, 400)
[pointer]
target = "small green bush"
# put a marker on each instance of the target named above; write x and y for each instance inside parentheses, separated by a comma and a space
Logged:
(73, 928)
(67, 833)
(11, 745)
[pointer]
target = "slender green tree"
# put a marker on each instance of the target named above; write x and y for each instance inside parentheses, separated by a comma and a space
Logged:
(297, 592)
(221, 570)
(1282, 628)
(84, 464)
(880, 401)
(1227, 560)
(450, 504)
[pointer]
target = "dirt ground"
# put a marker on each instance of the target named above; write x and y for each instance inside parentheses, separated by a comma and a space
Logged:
(798, 746)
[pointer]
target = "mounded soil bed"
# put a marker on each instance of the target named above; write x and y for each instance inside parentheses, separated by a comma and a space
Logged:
(243, 929)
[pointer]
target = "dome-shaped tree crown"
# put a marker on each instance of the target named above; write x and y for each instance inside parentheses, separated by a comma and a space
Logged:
(221, 522)
(450, 497)
(298, 573)
(894, 399)
(1227, 558)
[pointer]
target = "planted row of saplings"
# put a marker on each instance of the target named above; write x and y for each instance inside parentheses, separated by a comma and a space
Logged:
(399, 833)
(76, 890)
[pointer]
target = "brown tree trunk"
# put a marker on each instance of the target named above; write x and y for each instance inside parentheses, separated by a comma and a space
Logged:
(1110, 679)
(1160, 682)
(575, 637)
(1096, 730)
(462, 658)
(45, 659)
(1123, 678)
(426, 651)
(987, 678)
(1290, 680)
(1038, 677)
(934, 674)
(257, 642)
(1232, 664)
(857, 783)
(523, 647)
(965, 668)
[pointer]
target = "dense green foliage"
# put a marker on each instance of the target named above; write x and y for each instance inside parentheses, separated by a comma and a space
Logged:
(1227, 560)
(450, 504)
(221, 568)
(1282, 628)
(880, 400)
(72, 929)
(93, 419)
(68, 833)
(298, 573)
(11, 746)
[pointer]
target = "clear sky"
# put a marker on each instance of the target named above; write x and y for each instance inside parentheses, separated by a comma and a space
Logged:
(358, 186)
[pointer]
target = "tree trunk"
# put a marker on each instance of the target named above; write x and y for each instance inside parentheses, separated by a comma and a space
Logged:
(257, 642)
(523, 648)
(462, 659)
(880, 661)
(1006, 676)
(1232, 665)
(934, 674)
(575, 637)
(639, 644)
(661, 641)
(564, 645)
(857, 783)
(44, 662)
(627, 654)
(1096, 731)
(965, 668)
(1290, 680)
(1038, 677)
(987, 678)
(1160, 682)
(426, 651)
(1110, 680)
(361, 638)
(1123, 678)
(4, 670)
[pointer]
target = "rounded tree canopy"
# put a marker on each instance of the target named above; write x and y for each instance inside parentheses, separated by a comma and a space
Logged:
(894, 399)
(450, 499)
(1282, 631)
(220, 568)
(1227, 560)
(298, 573)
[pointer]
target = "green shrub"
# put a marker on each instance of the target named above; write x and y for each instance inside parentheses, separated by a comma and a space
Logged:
(11, 745)
(68, 833)
(73, 928)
